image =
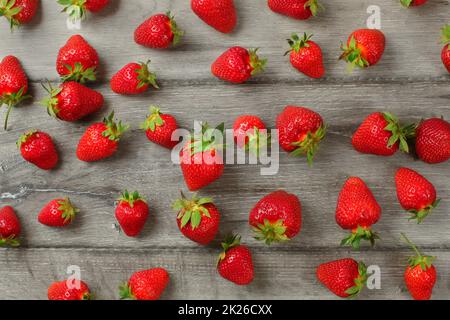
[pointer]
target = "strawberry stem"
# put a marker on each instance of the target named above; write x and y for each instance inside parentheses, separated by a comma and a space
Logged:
(270, 232)
(425, 262)
(191, 211)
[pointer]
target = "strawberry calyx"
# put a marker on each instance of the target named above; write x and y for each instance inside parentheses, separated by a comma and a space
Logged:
(425, 262)
(51, 102)
(176, 31)
(9, 10)
(230, 241)
(75, 9)
(79, 74)
(270, 231)
(446, 35)
(309, 145)
(406, 3)
(12, 100)
(68, 210)
(360, 281)
(205, 140)
(256, 140)
(256, 63)
(24, 138)
(352, 53)
(11, 241)
(86, 296)
(114, 130)
(421, 214)
(131, 198)
(153, 120)
(296, 43)
(358, 234)
(146, 77)
(399, 134)
(314, 6)
(125, 292)
(191, 211)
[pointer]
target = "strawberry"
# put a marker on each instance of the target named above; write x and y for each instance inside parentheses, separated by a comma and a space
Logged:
(198, 218)
(58, 213)
(235, 262)
(297, 9)
(18, 12)
(420, 275)
(160, 31)
(72, 101)
(357, 210)
(159, 128)
(433, 140)
(62, 290)
(344, 277)
(100, 140)
(381, 134)
(306, 56)
(413, 3)
(415, 193)
(219, 14)
(237, 65)
(276, 217)
(201, 158)
(132, 213)
(76, 9)
(77, 60)
(37, 148)
(250, 133)
(9, 227)
(145, 285)
(134, 78)
(300, 131)
(13, 84)
(445, 55)
(364, 48)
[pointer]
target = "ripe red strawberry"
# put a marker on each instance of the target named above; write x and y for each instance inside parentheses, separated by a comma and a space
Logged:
(9, 227)
(297, 9)
(77, 60)
(412, 3)
(13, 84)
(381, 134)
(145, 285)
(276, 217)
(235, 262)
(219, 14)
(76, 9)
(160, 31)
(58, 213)
(159, 128)
(364, 48)
(357, 210)
(134, 78)
(63, 290)
(100, 140)
(306, 56)
(237, 65)
(131, 213)
(415, 193)
(433, 140)
(420, 275)
(250, 133)
(37, 148)
(445, 55)
(201, 158)
(18, 12)
(198, 218)
(72, 101)
(300, 131)
(344, 277)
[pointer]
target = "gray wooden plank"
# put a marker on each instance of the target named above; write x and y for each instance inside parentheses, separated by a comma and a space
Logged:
(147, 167)
(412, 38)
(26, 274)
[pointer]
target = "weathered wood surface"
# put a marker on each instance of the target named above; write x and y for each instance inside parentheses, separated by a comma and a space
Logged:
(410, 81)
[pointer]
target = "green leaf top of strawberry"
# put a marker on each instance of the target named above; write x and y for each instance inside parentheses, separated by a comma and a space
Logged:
(24, 138)
(79, 74)
(425, 262)
(360, 233)
(271, 231)
(11, 241)
(296, 43)
(310, 144)
(206, 139)
(256, 63)
(76, 9)
(421, 214)
(314, 6)
(352, 54)
(399, 134)
(406, 3)
(68, 210)
(446, 35)
(257, 140)
(51, 102)
(177, 32)
(9, 10)
(360, 281)
(11, 100)
(231, 241)
(125, 292)
(191, 211)
(146, 77)
(131, 197)
(114, 130)
(153, 120)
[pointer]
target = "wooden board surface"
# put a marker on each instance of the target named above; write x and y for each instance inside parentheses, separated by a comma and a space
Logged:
(410, 81)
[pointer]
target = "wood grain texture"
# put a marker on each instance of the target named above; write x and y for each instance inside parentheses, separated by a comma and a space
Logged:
(410, 81)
